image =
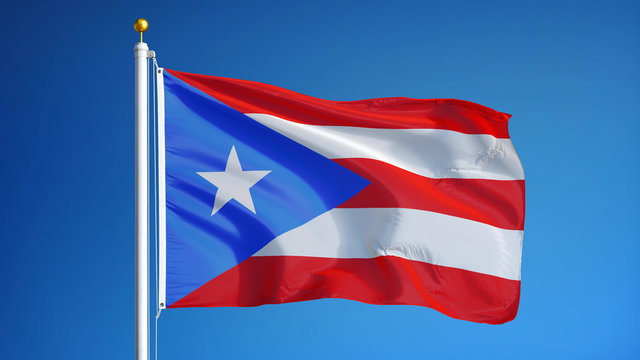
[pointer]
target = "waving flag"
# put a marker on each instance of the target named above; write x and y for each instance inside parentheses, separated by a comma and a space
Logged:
(274, 197)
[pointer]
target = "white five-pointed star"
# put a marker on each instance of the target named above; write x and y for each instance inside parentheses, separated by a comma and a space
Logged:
(233, 183)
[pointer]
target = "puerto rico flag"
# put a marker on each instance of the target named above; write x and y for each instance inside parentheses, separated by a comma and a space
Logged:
(268, 196)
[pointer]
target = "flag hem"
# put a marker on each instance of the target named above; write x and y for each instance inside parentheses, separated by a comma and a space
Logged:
(162, 196)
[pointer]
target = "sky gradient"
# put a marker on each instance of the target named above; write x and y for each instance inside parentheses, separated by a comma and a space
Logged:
(566, 70)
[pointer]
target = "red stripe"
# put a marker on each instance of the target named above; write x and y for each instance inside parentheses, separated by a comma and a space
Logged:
(495, 202)
(458, 293)
(389, 113)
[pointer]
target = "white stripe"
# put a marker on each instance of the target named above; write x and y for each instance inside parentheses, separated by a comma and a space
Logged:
(411, 234)
(432, 153)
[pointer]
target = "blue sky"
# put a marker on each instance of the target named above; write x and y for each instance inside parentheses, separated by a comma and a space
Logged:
(567, 71)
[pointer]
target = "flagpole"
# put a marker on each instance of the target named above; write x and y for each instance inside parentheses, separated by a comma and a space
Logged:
(141, 51)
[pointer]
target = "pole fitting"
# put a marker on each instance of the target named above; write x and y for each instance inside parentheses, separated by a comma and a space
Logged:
(141, 25)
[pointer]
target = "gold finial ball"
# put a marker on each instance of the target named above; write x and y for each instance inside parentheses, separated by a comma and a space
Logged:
(141, 25)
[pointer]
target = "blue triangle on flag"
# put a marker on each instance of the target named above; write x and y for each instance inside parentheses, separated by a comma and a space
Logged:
(200, 133)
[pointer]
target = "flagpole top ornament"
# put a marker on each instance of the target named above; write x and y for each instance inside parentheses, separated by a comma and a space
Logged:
(141, 25)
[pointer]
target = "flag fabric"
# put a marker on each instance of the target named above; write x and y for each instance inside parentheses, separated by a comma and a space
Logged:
(273, 197)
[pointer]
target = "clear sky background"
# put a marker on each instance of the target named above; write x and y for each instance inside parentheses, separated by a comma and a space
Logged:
(569, 72)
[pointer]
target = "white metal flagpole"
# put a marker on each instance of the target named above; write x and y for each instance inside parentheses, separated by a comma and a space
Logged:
(141, 51)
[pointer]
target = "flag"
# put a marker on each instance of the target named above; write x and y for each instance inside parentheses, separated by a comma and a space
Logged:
(270, 196)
